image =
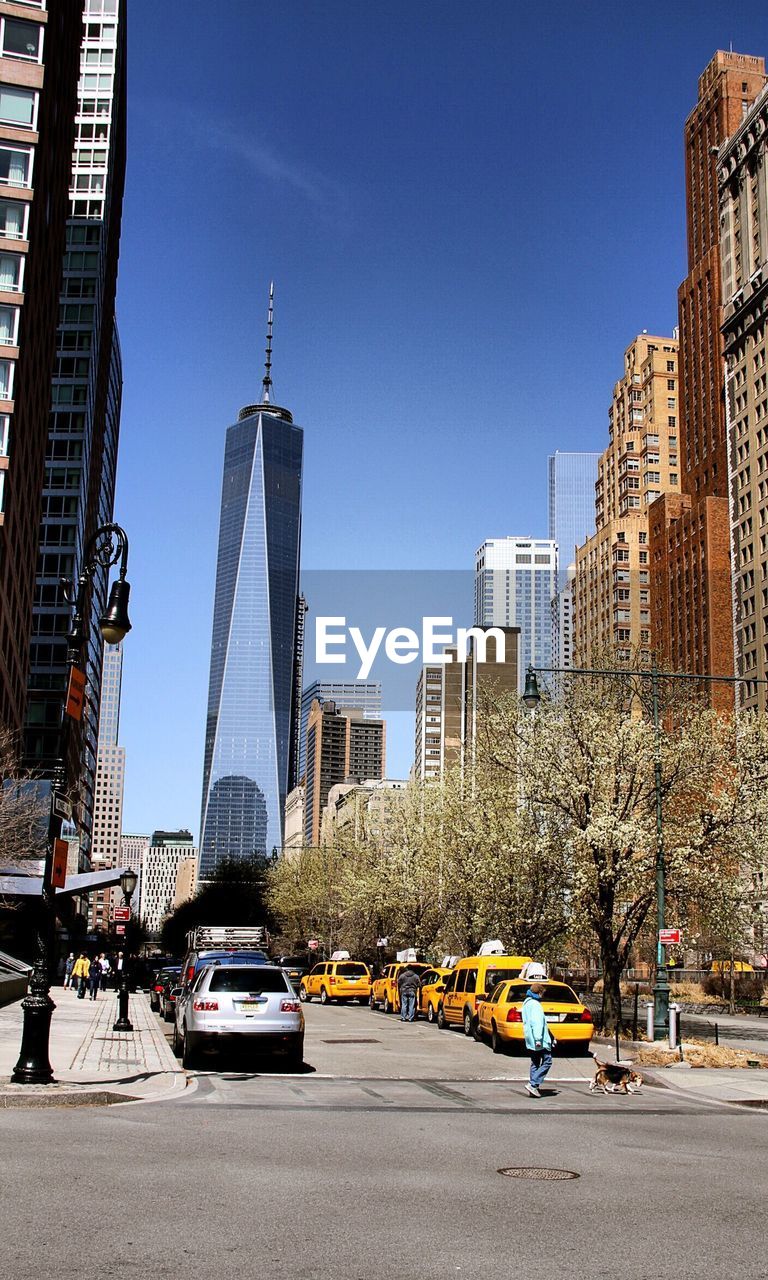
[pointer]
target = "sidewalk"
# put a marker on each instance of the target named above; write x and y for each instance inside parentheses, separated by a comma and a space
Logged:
(92, 1064)
(728, 1085)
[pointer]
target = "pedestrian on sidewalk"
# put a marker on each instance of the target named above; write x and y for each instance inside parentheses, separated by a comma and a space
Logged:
(94, 977)
(80, 971)
(69, 964)
(539, 1040)
(105, 969)
(408, 987)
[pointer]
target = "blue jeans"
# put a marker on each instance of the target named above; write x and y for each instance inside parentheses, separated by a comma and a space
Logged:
(407, 1006)
(541, 1061)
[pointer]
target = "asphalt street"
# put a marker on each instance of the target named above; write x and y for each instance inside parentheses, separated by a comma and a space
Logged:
(356, 1168)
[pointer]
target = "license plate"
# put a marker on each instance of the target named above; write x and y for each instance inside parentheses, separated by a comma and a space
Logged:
(553, 1017)
(248, 1006)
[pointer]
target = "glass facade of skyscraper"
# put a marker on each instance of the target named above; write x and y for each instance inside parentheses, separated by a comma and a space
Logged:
(515, 583)
(572, 479)
(251, 690)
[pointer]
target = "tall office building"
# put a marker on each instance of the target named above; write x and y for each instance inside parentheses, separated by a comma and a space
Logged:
(133, 851)
(352, 693)
(572, 480)
(744, 251)
(110, 780)
(169, 867)
(515, 583)
(341, 745)
(690, 532)
(38, 92)
(449, 701)
(81, 458)
(250, 732)
(612, 586)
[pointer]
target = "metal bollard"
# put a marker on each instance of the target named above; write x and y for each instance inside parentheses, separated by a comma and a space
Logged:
(649, 1019)
(674, 1009)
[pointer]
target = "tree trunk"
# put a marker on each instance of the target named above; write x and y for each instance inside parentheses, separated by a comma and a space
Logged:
(612, 971)
(732, 989)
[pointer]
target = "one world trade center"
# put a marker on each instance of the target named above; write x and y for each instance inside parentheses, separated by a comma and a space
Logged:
(251, 695)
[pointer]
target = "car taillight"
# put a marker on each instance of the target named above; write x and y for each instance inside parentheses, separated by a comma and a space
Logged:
(190, 973)
(289, 1006)
(205, 1006)
(586, 1016)
(514, 1015)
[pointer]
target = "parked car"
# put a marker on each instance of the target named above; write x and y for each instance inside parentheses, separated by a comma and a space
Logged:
(337, 980)
(430, 991)
(194, 961)
(294, 966)
(500, 1017)
(471, 982)
(157, 984)
(240, 1005)
(384, 992)
(167, 994)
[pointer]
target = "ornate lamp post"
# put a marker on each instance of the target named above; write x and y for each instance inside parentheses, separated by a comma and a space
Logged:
(531, 699)
(107, 545)
(127, 883)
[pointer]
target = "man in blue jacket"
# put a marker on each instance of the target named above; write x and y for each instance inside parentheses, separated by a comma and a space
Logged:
(538, 1039)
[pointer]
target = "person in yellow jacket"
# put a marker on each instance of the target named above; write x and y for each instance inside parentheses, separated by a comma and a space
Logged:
(80, 971)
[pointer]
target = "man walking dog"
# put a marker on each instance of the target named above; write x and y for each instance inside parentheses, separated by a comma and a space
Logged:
(539, 1040)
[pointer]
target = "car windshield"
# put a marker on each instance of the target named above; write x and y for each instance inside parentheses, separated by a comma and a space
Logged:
(256, 980)
(351, 970)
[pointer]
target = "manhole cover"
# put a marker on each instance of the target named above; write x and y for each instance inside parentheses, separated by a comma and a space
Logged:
(351, 1042)
(539, 1175)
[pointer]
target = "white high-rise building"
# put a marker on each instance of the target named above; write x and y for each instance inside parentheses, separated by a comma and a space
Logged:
(515, 583)
(166, 864)
(110, 779)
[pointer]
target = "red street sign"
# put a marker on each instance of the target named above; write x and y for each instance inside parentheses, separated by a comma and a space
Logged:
(121, 913)
(670, 937)
(59, 868)
(75, 693)
(119, 928)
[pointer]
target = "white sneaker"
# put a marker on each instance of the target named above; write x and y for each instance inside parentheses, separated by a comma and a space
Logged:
(532, 1090)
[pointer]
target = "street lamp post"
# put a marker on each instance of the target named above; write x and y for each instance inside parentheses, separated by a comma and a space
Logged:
(532, 697)
(127, 883)
(107, 545)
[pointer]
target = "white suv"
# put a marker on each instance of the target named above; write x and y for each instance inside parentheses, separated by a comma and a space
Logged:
(230, 1005)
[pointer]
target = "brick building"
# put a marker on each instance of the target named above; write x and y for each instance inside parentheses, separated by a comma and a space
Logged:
(689, 535)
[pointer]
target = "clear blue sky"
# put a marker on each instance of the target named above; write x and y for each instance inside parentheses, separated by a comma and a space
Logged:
(469, 211)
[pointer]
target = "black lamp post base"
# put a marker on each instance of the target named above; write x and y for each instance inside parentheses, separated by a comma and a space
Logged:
(33, 1066)
(123, 1022)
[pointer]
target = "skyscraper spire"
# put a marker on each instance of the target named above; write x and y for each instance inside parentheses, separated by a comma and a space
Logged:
(267, 379)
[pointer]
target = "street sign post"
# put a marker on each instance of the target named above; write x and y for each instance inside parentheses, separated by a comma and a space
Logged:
(670, 937)
(75, 693)
(59, 868)
(61, 806)
(119, 928)
(121, 913)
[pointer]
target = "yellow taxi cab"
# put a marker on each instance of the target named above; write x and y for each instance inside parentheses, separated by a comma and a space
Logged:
(724, 966)
(501, 1021)
(337, 980)
(430, 991)
(384, 991)
(470, 983)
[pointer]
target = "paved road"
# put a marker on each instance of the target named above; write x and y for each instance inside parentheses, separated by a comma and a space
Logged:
(355, 1170)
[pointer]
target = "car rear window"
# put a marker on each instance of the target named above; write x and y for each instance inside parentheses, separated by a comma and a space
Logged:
(553, 992)
(351, 970)
(248, 980)
(496, 975)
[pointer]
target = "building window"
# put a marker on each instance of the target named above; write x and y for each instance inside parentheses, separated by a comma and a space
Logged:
(18, 106)
(9, 326)
(16, 166)
(13, 219)
(11, 271)
(5, 420)
(6, 379)
(19, 39)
